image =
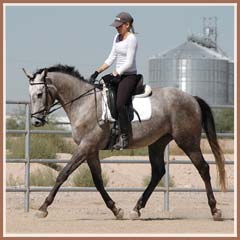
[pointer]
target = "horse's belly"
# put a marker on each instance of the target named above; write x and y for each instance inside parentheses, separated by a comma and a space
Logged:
(147, 132)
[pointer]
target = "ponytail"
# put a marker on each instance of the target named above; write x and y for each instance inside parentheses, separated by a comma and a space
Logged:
(132, 29)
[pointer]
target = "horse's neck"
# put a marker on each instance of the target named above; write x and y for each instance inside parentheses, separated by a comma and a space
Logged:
(69, 88)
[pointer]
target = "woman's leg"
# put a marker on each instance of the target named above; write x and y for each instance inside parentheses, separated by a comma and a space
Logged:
(124, 93)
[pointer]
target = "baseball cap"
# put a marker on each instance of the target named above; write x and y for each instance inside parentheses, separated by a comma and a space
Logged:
(121, 18)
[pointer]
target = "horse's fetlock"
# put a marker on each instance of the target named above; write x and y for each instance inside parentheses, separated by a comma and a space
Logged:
(111, 204)
(212, 203)
(139, 205)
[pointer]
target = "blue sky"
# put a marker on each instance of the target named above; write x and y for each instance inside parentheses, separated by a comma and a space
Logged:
(41, 36)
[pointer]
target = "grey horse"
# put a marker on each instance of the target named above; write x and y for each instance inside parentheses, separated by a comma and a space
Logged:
(176, 115)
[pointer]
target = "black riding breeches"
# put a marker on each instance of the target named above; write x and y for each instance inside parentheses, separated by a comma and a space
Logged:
(125, 90)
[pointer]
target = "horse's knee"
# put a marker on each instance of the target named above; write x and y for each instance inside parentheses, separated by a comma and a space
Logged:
(157, 173)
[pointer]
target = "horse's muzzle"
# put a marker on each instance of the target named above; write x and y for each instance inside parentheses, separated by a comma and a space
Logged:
(38, 122)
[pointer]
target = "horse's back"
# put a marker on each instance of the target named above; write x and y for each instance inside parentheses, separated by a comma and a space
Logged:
(175, 99)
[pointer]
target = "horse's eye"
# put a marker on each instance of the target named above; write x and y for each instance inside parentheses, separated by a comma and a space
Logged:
(39, 95)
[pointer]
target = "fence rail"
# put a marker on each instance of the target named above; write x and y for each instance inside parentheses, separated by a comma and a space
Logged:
(27, 189)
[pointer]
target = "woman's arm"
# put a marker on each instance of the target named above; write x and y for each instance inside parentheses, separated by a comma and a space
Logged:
(112, 56)
(102, 68)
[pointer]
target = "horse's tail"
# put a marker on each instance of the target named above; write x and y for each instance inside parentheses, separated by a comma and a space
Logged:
(209, 127)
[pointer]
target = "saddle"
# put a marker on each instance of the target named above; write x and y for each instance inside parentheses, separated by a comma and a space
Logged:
(141, 90)
(141, 93)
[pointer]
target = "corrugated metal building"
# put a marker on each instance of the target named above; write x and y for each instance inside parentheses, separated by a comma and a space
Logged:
(198, 67)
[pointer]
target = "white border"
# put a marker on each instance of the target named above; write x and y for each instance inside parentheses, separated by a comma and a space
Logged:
(180, 235)
(4, 123)
(235, 120)
(120, 4)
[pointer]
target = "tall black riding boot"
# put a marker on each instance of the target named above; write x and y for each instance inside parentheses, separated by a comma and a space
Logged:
(123, 122)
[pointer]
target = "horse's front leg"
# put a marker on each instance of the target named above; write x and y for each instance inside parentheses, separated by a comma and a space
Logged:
(77, 159)
(95, 167)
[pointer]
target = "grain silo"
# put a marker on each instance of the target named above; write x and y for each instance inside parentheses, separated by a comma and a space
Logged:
(198, 67)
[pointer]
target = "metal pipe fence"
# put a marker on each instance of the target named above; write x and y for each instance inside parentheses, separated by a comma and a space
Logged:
(27, 161)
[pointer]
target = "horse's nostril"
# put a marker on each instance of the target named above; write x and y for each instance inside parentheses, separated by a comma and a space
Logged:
(36, 122)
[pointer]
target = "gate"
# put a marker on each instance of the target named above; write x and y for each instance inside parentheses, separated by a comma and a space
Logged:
(27, 189)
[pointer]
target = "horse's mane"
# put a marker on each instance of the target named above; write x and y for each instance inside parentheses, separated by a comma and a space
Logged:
(63, 69)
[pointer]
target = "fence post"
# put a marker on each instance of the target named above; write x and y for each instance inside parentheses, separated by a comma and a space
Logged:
(166, 179)
(27, 158)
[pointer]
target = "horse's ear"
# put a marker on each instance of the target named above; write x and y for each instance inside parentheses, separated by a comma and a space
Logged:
(43, 75)
(29, 75)
(45, 72)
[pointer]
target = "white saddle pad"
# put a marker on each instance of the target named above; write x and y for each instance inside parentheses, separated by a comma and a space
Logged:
(141, 104)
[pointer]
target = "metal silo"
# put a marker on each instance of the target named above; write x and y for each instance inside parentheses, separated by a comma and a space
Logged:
(198, 67)
(231, 83)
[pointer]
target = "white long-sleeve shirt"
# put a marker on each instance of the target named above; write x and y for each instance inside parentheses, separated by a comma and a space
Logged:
(124, 52)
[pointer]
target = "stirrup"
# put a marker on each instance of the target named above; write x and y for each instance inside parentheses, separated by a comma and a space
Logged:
(122, 142)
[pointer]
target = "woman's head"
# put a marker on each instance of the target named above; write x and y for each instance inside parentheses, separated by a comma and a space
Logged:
(123, 22)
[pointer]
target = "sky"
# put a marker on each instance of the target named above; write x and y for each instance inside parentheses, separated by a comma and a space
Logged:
(80, 36)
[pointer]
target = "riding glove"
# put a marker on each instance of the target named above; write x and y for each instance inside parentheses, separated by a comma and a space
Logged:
(93, 77)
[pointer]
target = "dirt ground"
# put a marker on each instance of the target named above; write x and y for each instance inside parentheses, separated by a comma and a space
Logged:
(85, 214)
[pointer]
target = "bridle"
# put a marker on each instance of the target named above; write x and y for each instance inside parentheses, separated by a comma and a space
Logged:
(47, 109)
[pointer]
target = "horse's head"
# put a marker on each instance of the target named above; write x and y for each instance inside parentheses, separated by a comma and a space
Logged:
(42, 96)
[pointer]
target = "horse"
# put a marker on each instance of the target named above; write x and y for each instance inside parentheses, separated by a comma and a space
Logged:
(176, 115)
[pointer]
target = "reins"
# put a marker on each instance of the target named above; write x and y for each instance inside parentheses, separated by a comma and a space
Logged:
(56, 103)
(69, 102)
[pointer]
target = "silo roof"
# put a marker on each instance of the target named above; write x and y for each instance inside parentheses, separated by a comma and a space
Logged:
(193, 50)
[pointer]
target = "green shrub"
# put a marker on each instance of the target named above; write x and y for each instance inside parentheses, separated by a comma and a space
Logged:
(146, 181)
(11, 181)
(42, 177)
(83, 178)
(17, 122)
(224, 119)
(41, 145)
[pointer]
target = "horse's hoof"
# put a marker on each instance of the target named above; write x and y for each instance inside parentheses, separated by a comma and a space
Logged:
(217, 216)
(134, 215)
(120, 214)
(41, 214)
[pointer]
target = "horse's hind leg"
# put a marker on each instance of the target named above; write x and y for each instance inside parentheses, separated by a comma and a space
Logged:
(95, 167)
(156, 157)
(194, 153)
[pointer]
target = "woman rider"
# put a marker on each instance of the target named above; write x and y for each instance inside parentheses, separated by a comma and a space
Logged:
(124, 52)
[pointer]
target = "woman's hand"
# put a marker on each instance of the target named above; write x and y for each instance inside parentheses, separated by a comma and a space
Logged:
(115, 73)
(93, 77)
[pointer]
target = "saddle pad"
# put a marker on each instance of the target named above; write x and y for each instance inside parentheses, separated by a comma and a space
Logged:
(141, 105)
